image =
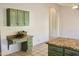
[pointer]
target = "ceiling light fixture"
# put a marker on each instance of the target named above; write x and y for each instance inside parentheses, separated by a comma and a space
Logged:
(75, 7)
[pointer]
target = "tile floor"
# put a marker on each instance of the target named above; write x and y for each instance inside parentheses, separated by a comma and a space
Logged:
(39, 50)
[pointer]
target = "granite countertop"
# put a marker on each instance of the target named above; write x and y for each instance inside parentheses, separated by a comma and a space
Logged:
(65, 42)
(14, 39)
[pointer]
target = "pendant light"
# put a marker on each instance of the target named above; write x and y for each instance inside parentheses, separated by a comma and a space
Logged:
(75, 6)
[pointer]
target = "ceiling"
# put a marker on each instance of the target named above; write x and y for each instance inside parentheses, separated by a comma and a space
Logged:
(68, 4)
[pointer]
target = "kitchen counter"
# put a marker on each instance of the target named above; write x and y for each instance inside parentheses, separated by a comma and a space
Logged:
(65, 42)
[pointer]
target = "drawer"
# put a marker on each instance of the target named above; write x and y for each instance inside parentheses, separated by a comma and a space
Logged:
(71, 52)
(55, 48)
(29, 41)
(54, 53)
(29, 45)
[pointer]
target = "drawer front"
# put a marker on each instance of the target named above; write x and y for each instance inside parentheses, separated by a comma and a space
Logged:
(29, 41)
(29, 44)
(71, 52)
(54, 53)
(55, 48)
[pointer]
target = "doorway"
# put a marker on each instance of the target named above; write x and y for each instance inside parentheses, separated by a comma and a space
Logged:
(53, 23)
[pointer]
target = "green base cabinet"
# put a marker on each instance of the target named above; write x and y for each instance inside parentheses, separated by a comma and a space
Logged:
(27, 46)
(24, 46)
(54, 53)
(71, 52)
(54, 50)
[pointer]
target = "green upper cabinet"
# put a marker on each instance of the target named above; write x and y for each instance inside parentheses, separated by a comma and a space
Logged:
(17, 17)
(21, 18)
(11, 17)
(26, 18)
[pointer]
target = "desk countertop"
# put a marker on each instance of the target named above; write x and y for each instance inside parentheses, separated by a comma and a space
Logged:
(13, 39)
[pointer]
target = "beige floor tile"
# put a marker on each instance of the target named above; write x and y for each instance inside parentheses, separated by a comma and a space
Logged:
(39, 50)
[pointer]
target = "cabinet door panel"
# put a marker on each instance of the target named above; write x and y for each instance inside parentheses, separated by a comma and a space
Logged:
(55, 48)
(54, 53)
(11, 17)
(21, 18)
(29, 43)
(26, 18)
(71, 52)
(24, 46)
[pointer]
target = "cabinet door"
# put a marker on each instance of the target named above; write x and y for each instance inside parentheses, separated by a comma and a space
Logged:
(21, 18)
(24, 46)
(26, 22)
(11, 17)
(29, 43)
(17, 17)
(55, 50)
(54, 53)
(70, 52)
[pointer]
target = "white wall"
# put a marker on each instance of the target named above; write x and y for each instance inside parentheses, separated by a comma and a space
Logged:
(39, 25)
(69, 22)
(64, 22)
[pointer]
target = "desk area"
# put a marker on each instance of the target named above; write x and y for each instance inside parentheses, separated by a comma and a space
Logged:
(26, 41)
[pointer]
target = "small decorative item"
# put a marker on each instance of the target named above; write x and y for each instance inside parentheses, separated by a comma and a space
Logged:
(21, 34)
